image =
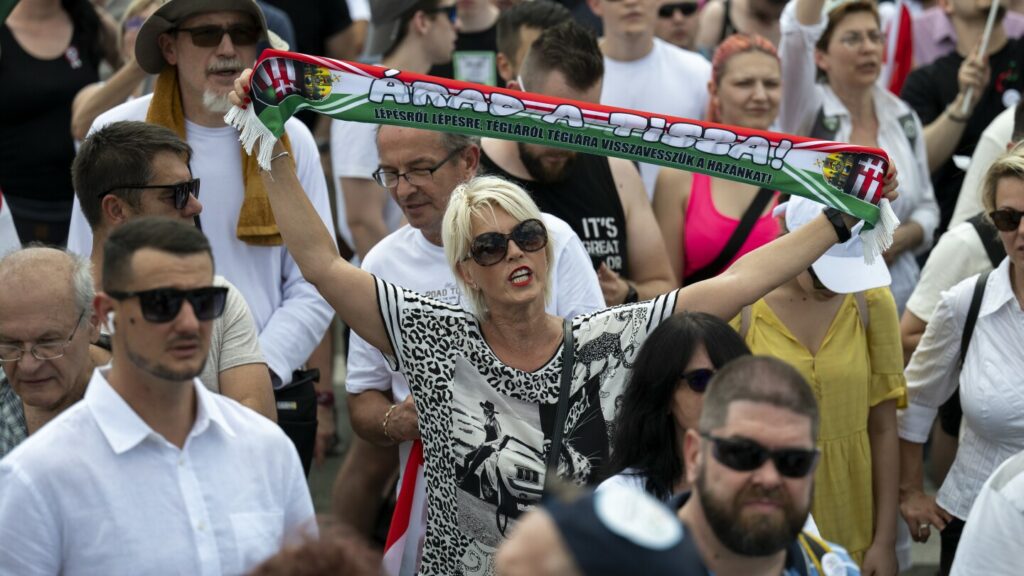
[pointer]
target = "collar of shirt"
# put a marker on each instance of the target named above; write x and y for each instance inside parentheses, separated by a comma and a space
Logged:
(887, 107)
(124, 429)
(934, 25)
(998, 292)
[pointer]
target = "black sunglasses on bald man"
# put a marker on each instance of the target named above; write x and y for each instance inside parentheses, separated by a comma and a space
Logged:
(745, 455)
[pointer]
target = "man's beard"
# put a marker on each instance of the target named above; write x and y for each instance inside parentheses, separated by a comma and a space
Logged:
(541, 172)
(759, 536)
(219, 103)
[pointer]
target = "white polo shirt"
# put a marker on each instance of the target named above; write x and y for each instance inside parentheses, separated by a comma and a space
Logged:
(97, 491)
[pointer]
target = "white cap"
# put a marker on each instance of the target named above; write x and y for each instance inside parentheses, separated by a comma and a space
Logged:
(842, 269)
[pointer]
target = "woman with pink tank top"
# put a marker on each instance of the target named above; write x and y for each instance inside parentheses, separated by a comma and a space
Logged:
(698, 214)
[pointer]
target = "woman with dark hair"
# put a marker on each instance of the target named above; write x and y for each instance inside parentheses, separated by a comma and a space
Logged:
(49, 50)
(663, 399)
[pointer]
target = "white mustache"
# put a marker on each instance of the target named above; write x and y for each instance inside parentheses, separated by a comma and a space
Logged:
(221, 65)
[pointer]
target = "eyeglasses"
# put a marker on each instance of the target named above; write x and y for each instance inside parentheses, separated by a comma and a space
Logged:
(182, 190)
(855, 40)
(210, 36)
(163, 304)
(41, 350)
(1007, 219)
(669, 10)
(698, 379)
(745, 455)
(490, 248)
(451, 11)
(416, 177)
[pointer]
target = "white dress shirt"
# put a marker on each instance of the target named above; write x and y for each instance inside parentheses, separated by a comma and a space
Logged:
(97, 491)
(991, 384)
(994, 533)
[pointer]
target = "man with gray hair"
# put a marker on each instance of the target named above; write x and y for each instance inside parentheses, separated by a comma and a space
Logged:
(46, 325)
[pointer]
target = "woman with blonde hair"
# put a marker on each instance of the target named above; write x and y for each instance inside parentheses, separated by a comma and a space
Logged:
(985, 360)
(555, 384)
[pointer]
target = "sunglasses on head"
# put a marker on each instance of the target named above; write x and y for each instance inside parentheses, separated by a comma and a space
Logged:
(490, 248)
(1007, 219)
(745, 455)
(163, 304)
(210, 36)
(669, 10)
(698, 379)
(182, 190)
(451, 11)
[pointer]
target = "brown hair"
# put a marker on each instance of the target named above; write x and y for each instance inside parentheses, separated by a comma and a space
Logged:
(839, 13)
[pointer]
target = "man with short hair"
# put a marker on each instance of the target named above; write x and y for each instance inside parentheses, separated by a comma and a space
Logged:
(751, 464)
(126, 170)
(420, 169)
(413, 35)
(518, 27)
(198, 48)
(46, 325)
(151, 472)
(678, 23)
(601, 198)
(643, 72)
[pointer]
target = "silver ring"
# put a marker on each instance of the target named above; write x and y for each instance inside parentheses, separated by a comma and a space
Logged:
(923, 526)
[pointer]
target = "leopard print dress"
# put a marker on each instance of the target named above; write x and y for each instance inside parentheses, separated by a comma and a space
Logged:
(477, 487)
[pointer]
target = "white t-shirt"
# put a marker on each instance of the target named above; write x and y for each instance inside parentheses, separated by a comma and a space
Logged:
(290, 314)
(991, 145)
(669, 80)
(98, 491)
(354, 155)
(958, 254)
(408, 259)
(233, 340)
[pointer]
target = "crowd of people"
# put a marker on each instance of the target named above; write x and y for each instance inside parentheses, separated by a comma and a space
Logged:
(556, 362)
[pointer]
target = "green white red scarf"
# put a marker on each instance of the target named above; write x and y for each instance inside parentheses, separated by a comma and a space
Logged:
(843, 176)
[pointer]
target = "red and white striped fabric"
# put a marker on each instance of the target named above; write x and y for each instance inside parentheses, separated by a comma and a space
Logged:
(409, 522)
(279, 75)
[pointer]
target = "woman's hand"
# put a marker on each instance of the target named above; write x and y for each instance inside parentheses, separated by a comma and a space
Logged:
(921, 512)
(880, 560)
(890, 184)
(240, 95)
(613, 286)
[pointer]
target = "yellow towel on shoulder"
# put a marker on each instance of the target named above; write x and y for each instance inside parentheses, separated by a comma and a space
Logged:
(256, 224)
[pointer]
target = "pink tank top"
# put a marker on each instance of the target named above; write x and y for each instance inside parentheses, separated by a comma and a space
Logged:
(707, 230)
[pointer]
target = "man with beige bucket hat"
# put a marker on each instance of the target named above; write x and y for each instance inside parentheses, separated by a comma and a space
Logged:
(198, 48)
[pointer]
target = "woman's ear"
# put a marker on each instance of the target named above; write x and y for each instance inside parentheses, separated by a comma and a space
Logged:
(465, 275)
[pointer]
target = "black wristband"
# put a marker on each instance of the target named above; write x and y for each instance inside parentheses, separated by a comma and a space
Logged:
(631, 294)
(836, 218)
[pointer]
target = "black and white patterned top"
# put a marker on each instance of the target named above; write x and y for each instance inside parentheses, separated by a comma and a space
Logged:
(478, 484)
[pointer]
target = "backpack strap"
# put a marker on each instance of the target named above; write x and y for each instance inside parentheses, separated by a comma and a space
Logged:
(814, 548)
(824, 127)
(862, 309)
(989, 238)
(909, 128)
(972, 315)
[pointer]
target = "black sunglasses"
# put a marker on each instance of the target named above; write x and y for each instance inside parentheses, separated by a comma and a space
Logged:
(451, 11)
(1007, 219)
(745, 455)
(698, 379)
(163, 304)
(210, 36)
(490, 248)
(668, 10)
(182, 190)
